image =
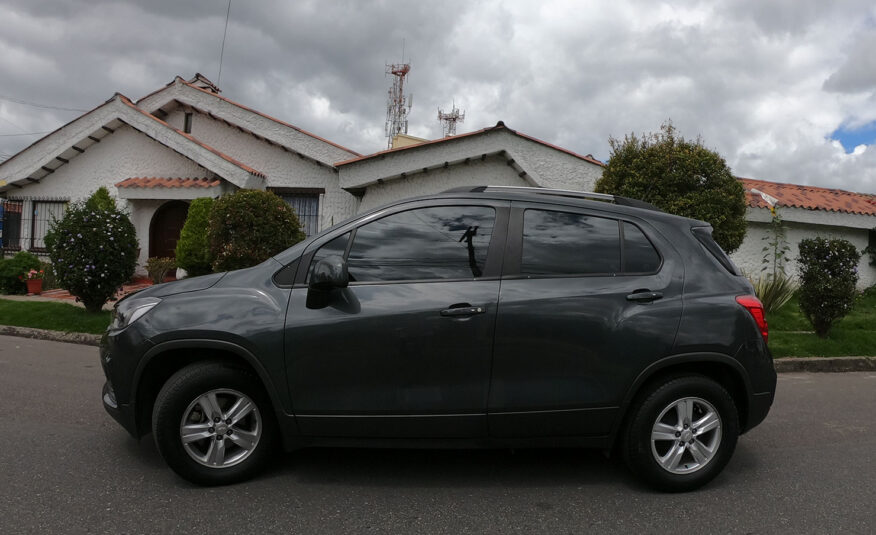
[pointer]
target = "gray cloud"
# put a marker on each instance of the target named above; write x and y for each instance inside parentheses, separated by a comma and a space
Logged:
(764, 83)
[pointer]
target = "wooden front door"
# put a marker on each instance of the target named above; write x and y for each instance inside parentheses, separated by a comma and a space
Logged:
(164, 230)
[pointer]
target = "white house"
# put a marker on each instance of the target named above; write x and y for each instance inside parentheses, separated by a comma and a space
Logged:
(181, 142)
(185, 141)
(494, 156)
(806, 212)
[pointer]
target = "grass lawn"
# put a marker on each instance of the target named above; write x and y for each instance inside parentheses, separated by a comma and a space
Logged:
(855, 335)
(52, 316)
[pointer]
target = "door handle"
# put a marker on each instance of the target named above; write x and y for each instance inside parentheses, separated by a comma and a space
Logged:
(463, 309)
(644, 296)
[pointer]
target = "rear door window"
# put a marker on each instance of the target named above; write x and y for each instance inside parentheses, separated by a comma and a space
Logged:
(564, 243)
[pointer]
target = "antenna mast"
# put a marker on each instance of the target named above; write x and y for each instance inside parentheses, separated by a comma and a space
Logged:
(397, 105)
(449, 120)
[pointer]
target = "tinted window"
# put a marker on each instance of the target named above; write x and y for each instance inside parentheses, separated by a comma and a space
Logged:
(447, 242)
(704, 235)
(639, 255)
(337, 246)
(561, 243)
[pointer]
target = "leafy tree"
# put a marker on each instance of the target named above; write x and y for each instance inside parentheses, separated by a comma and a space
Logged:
(193, 247)
(93, 250)
(100, 200)
(680, 177)
(248, 227)
(828, 274)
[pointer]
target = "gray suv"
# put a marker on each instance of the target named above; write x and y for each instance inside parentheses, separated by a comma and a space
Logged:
(491, 317)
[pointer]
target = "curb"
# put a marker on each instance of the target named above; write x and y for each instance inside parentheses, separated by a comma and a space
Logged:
(783, 365)
(825, 364)
(54, 336)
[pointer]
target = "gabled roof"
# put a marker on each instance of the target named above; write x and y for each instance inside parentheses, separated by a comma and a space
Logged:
(808, 197)
(177, 89)
(49, 153)
(499, 126)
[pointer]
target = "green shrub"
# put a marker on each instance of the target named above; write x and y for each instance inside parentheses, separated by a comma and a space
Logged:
(828, 274)
(11, 269)
(93, 252)
(193, 247)
(774, 291)
(50, 281)
(248, 227)
(158, 267)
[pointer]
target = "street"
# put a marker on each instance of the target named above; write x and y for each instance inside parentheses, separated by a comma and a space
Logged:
(67, 467)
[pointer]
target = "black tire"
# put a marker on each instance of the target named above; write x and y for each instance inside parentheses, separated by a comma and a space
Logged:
(178, 399)
(672, 398)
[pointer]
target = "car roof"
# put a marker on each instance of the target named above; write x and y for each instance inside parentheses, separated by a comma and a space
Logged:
(583, 199)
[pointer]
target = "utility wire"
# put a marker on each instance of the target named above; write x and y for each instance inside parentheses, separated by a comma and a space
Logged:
(36, 105)
(27, 134)
(222, 51)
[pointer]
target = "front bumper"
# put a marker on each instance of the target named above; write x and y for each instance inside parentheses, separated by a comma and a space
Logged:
(124, 414)
(118, 355)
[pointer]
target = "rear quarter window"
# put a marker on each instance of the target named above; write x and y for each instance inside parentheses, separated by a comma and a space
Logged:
(704, 236)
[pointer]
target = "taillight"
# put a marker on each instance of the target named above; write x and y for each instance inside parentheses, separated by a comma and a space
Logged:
(754, 307)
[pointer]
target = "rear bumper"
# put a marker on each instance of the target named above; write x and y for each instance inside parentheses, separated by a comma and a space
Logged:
(758, 408)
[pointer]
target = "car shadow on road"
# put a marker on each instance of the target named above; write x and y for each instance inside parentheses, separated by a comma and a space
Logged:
(450, 468)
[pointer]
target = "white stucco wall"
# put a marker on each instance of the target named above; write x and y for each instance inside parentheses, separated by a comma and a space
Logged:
(750, 254)
(283, 169)
(493, 171)
(124, 154)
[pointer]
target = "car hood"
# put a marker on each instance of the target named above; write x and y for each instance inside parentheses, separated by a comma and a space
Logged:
(193, 284)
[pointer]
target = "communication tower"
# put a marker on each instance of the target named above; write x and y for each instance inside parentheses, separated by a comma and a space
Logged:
(449, 120)
(397, 105)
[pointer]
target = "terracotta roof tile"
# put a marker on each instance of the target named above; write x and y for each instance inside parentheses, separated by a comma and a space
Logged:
(808, 197)
(157, 182)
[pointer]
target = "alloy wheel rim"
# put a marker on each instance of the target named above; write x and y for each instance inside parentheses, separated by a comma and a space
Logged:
(220, 428)
(686, 435)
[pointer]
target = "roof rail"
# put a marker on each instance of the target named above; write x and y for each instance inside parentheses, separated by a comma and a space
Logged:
(616, 199)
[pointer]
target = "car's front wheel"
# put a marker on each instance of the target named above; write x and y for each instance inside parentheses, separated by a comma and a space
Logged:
(213, 424)
(681, 433)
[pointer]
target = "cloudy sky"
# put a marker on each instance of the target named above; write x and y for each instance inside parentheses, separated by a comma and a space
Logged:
(785, 90)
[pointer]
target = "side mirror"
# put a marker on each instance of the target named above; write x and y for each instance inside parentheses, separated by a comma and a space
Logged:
(329, 273)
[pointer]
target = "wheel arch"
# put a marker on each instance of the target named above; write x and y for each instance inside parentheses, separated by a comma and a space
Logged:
(724, 370)
(165, 359)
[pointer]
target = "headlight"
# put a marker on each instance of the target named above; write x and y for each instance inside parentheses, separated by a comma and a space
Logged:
(129, 310)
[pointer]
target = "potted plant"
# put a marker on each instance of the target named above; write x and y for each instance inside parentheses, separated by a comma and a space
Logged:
(34, 281)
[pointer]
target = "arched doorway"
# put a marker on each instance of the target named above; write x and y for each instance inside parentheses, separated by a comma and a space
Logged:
(165, 227)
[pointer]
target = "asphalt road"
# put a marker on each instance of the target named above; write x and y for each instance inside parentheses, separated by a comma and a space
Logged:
(67, 467)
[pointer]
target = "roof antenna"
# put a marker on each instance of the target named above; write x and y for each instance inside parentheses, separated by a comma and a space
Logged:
(222, 51)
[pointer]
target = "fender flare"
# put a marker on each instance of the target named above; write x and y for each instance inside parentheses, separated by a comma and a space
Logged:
(684, 358)
(230, 347)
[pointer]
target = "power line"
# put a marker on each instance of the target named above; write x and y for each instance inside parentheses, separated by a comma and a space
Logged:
(27, 134)
(222, 51)
(36, 105)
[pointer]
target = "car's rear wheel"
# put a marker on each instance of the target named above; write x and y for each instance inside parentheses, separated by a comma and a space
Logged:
(213, 424)
(681, 433)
